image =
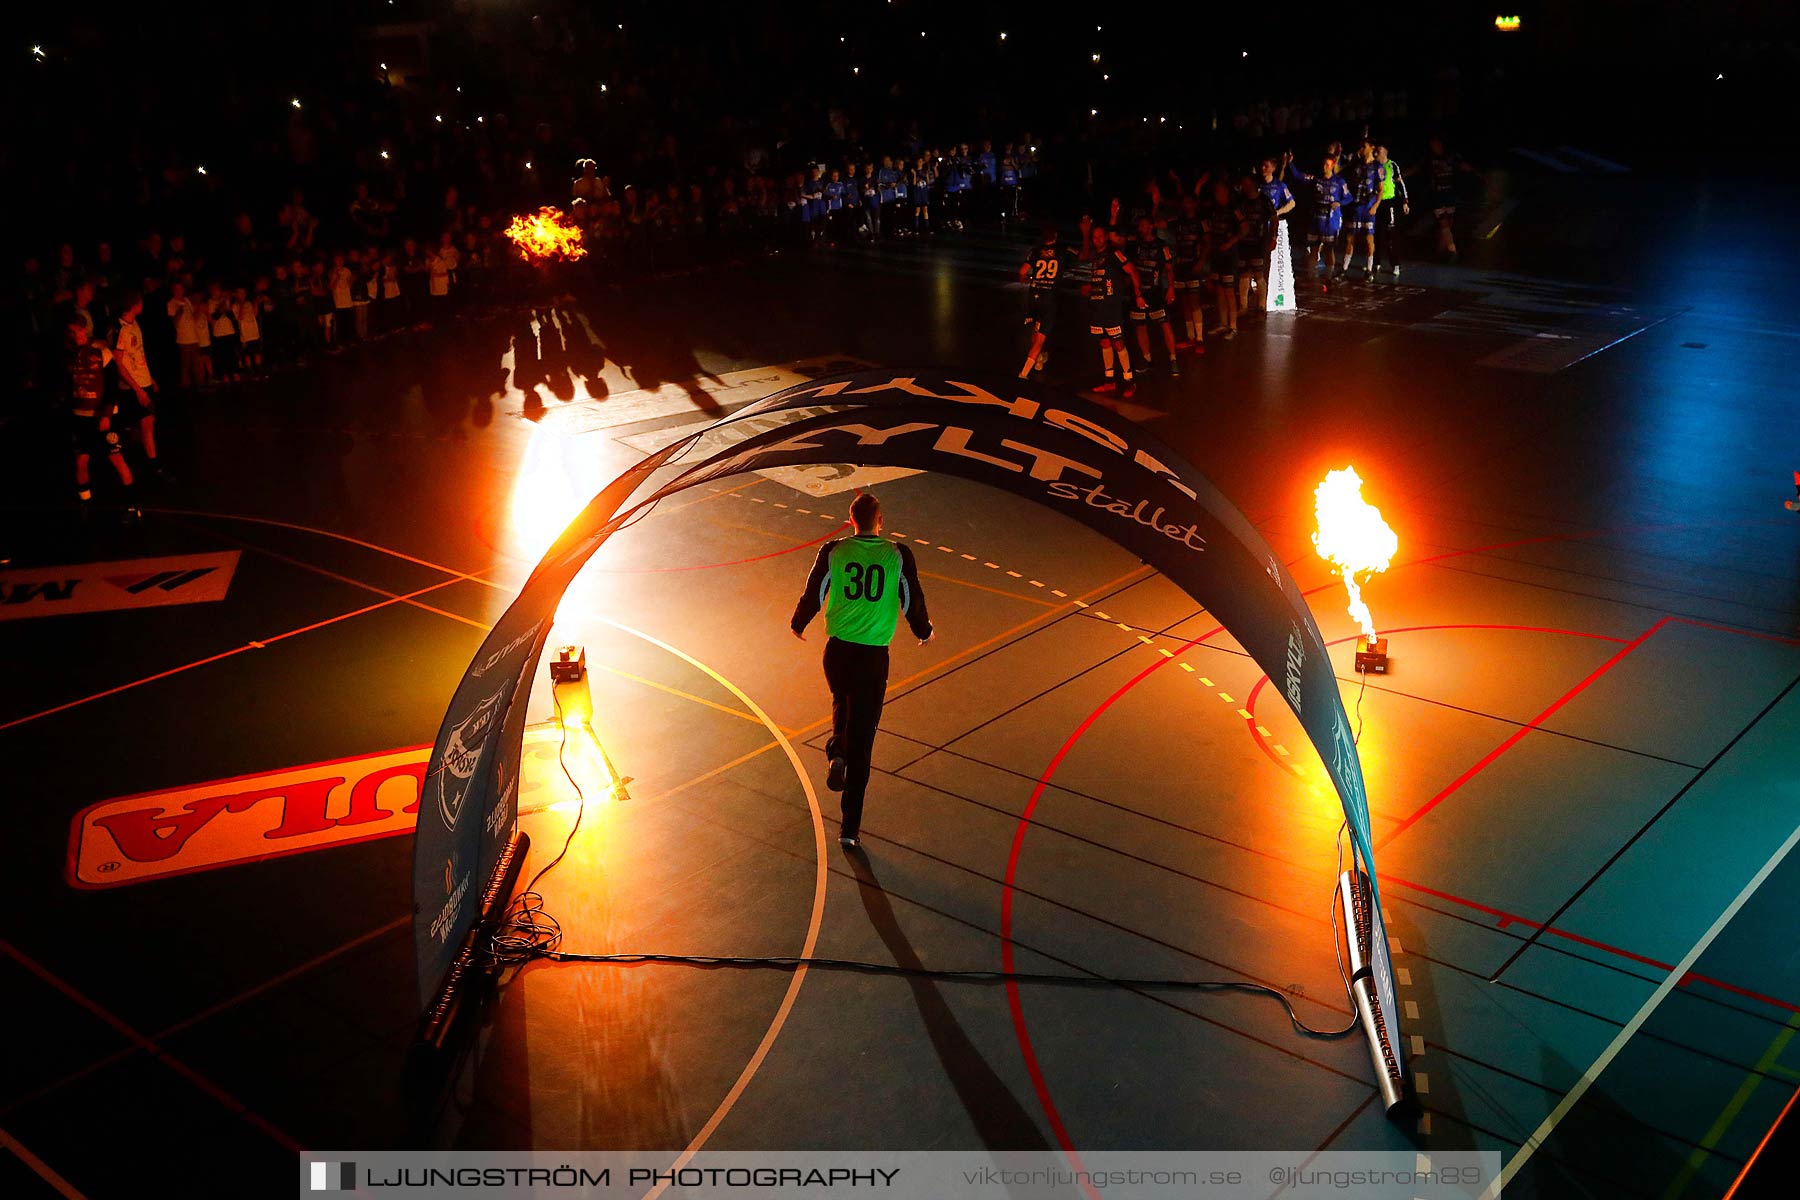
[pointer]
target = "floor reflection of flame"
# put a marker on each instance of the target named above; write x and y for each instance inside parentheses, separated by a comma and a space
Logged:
(595, 1038)
(555, 480)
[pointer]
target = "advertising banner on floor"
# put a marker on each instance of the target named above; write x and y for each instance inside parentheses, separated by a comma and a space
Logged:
(1065, 453)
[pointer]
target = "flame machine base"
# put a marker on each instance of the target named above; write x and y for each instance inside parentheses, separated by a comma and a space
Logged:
(1372, 657)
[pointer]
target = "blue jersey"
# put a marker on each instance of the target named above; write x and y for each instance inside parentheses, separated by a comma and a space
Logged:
(957, 174)
(988, 163)
(834, 195)
(1327, 197)
(1009, 172)
(1365, 185)
(885, 180)
(1276, 193)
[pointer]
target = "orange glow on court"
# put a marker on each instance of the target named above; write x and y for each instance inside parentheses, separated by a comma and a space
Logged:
(546, 235)
(1352, 537)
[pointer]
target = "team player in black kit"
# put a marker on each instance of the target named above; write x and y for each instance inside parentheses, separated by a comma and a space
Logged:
(1039, 272)
(93, 413)
(1224, 225)
(1111, 281)
(1155, 264)
(1189, 232)
(1443, 167)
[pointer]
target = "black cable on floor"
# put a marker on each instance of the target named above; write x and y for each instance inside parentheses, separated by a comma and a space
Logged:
(528, 933)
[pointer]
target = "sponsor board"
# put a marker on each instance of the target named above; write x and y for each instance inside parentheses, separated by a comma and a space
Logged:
(126, 583)
(246, 818)
(249, 818)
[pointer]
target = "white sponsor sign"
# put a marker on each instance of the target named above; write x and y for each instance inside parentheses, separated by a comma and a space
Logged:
(127, 583)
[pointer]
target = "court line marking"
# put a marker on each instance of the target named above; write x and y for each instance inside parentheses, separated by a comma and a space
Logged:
(209, 1012)
(149, 1046)
(1518, 735)
(40, 1168)
(1733, 1108)
(1670, 982)
(263, 643)
(1762, 1145)
(821, 879)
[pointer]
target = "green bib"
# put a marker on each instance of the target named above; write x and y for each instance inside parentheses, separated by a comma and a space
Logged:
(863, 599)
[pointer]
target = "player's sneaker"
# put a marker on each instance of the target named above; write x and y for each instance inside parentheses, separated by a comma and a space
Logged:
(1107, 388)
(834, 775)
(1174, 369)
(1129, 390)
(850, 841)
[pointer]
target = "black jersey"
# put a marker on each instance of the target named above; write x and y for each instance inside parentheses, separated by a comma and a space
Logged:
(87, 375)
(1443, 169)
(1188, 233)
(1155, 264)
(1118, 281)
(1045, 266)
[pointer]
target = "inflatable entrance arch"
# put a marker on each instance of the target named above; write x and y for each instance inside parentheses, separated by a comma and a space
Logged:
(1059, 450)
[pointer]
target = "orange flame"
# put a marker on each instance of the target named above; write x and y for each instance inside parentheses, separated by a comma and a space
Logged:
(1352, 537)
(546, 234)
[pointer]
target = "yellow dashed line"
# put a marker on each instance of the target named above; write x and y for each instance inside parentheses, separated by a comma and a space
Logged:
(1101, 615)
(779, 504)
(922, 541)
(991, 566)
(1015, 575)
(1079, 603)
(969, 557)
(1418, 1045)
(1244, 713)
(1124, 626)
(1226, 697)
(807, 511)
(1142, 637)
(1165, 653)
(1187, 666)
(1404, 976)
(1206, 681)
(1060, 592)
(1421, 1082)
(1035, 582)
(1425, 1124)
(757, 500)
(1263, 730)
(1280, 749)
(1412, 1010)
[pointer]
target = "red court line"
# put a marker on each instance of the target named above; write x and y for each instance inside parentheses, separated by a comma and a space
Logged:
(1020, 1029)
(1749, 633)
(1262, 743)
(1013, 1001)
(212, 658)
(1519, 735)
(1506, 918)
(736, 562)
(1787, 1110)
(151, 1048)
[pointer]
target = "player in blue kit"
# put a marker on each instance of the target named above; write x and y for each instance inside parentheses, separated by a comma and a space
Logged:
(1278, 202)
(1328, 194)
(835, 191)
(1364, 179)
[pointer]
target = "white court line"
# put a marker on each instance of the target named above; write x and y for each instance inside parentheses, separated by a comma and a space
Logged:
(1675, 976)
